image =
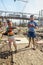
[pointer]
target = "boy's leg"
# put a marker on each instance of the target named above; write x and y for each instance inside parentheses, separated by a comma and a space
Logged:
(10, 43)
(29, 42)
(33, 43)
(10, 46)
(15, 45)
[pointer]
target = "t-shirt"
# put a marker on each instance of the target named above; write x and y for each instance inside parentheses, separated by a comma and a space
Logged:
(10, 30)
(31, 28)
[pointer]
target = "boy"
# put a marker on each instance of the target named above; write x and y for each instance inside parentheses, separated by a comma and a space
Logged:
(10, 33)
(31, 33)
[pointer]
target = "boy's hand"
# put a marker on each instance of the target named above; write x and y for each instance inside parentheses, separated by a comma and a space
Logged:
(2, 36)
(32, 25)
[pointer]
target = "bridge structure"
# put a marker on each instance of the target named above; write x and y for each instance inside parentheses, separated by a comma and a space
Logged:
(16, 15)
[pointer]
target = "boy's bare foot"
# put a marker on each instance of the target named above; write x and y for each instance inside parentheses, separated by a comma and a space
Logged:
(34, 48)
(15, 51)
(27, 46)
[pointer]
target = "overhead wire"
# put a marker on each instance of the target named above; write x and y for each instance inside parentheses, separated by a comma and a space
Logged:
(25, 1)
(24, 6)
(3, 5)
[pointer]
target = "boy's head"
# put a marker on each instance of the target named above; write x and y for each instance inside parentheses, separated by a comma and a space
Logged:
(9, 23)
(31, 17)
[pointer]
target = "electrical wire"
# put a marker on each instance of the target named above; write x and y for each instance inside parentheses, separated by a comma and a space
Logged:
(24, 6)
(3, 5)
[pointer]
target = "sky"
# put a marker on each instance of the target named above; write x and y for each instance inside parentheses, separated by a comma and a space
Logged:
(32, 6)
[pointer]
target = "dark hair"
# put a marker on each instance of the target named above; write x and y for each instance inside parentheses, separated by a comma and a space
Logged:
(8, 21)
(31, 15)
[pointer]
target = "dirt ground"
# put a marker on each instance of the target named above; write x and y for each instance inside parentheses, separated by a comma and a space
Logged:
(24, 56)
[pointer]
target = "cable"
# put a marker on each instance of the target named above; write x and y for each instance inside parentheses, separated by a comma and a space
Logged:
(24, 6)
(3, 5)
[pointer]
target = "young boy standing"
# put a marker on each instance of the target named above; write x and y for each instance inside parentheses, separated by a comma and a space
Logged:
(9, 32)
(31, 33)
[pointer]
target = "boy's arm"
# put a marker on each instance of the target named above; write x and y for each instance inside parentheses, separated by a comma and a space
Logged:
(36, 25)
(31, 25)
(12, 27)
(3, 34)
(28, 24)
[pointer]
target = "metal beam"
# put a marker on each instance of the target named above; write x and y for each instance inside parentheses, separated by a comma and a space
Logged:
(15, 18)
(17, 12)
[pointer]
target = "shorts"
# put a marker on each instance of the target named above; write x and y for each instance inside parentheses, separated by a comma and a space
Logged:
(31, 34)
(10, 38)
